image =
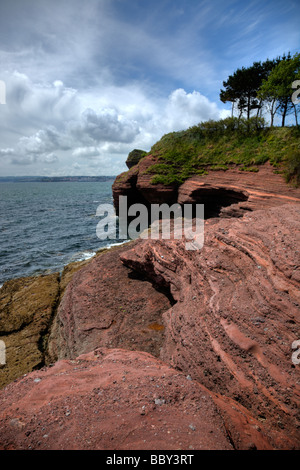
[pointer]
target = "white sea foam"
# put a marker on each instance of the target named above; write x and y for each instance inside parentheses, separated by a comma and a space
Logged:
(117, 244)
(83, 256)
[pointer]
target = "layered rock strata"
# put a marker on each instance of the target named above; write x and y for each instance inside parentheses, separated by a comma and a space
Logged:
(237, 312)
(195, 346)
(229, 314)
(224, 193)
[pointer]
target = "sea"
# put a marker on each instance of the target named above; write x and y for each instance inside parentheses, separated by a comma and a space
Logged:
(46, 225)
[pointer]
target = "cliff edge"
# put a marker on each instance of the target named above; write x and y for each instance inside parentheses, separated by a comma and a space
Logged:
(153, 346)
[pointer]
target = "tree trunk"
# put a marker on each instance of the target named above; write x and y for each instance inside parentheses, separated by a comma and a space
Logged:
(273, 112)
(248, 108)
(241, 111)
(296, 117)
(285, 108)
(283, 117)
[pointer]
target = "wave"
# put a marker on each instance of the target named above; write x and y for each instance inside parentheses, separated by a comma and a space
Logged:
(85, 255)
(117, 244)
(82, 256)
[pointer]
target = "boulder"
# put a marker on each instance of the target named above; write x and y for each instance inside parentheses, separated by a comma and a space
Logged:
(27, 307)
(106, 305)
(27, 310)
(134, 157)
(117, 400)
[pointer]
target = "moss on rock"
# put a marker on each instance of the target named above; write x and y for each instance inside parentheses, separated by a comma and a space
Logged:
(134, 157)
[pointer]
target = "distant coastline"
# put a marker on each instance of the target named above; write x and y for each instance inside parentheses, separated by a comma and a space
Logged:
(54, 179)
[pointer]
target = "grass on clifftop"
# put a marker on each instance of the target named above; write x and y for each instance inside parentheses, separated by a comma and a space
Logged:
(219, 145)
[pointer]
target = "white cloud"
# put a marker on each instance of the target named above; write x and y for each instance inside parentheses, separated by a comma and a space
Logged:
(86, 152)
(27, 96)
(186, 109)
(60, 126)
(84, 86)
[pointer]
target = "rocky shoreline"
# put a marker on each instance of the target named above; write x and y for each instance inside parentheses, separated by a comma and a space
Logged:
(150, 346)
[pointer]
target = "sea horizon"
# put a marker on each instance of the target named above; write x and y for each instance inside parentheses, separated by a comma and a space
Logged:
(43, 228)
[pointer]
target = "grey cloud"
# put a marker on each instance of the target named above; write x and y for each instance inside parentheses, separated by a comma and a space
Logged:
(51, 158)
(86, 152)
(100, 135)
(24, 160)
(44, 141)
(66, 128)
(5, 152)
(106, 125)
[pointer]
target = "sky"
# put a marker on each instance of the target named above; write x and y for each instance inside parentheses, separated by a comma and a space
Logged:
(84, 83)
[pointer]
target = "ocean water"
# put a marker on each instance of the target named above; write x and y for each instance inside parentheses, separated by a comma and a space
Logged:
(44, 226)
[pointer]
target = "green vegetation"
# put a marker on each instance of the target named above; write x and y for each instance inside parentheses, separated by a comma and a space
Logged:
(241, 88)
(292, 167)
(219, 145)
(253, 169)
(277, 90)
(134, 157)
(243, 143)
(264, 86)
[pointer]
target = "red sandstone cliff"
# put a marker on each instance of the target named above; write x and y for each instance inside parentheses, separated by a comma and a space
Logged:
(225, 193)
(157, 347)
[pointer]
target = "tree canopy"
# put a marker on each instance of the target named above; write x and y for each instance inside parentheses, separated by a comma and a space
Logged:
(278, 88)
(263, 86)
